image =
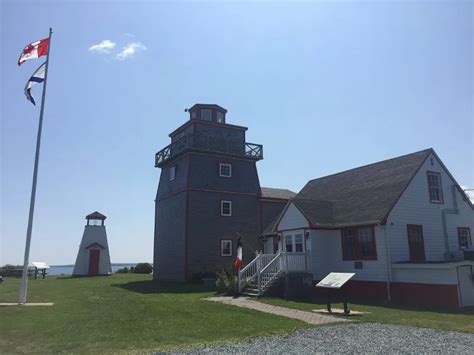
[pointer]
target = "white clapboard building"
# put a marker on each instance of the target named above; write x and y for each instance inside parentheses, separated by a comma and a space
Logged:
(93, 257)
(403, 226)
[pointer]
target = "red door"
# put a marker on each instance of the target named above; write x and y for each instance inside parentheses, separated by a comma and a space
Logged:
(94, 257)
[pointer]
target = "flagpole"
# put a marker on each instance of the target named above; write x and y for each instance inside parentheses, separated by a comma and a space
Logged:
(24, 280)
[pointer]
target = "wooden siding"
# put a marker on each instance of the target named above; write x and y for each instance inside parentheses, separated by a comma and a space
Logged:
(326, 257)
(292, 219)
(414, 207)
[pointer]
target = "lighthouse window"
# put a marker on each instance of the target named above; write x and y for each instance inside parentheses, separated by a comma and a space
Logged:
(225, 170)
(219, 117)
(226, 247)
(206, 115)
(172, 172)
(226, 208)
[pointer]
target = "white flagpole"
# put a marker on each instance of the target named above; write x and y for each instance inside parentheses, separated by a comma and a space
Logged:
(24, 280)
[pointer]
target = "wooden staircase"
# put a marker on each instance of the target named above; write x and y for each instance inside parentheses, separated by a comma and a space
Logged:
(258, 276)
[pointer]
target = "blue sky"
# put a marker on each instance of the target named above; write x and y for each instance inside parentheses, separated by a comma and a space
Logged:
(324, 86)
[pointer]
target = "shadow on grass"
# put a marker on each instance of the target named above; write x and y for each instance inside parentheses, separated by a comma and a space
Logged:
(150, 286)
(321, 302)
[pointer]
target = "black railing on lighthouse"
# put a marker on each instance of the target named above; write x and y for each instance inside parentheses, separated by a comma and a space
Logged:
(209, 143)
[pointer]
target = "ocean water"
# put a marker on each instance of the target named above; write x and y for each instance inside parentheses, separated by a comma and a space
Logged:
(67, 269)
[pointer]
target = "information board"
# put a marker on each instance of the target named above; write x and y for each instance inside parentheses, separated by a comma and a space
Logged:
(335, 280)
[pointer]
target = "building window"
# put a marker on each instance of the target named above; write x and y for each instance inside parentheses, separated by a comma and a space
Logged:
(219, 117)
(415, 242)
(298, 243)
(434, 187)
(348, 244)
(206, 115)
(225, 170)
(294, 243)
(464, 237)
(358, 244)
(226, 208)
(172, 172)
(289, 243)
(226, 247)
(366, 242)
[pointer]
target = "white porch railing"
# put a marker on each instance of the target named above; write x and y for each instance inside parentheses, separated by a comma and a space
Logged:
(266, 268)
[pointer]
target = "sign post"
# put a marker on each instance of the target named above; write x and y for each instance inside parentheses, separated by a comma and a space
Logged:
(335, 281)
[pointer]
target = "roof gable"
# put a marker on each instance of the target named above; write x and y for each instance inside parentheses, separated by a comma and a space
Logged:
(361, 195)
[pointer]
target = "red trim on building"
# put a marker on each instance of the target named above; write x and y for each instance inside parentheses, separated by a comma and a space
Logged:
(296, 229)
(357, 250)
(441, 201)
(204, 190)
(274, 199)
(425, 294)
(412, 258)
(384, 220)
(401, 293)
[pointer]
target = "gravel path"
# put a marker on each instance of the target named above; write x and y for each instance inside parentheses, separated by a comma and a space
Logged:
(355, 338)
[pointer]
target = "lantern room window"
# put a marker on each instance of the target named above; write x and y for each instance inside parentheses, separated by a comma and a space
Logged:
(206, 115)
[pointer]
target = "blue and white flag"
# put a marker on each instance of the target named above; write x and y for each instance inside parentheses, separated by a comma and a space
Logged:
(37, 77)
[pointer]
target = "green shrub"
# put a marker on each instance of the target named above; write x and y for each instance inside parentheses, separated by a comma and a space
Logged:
(124, 270)
(226, 280)
(142, 268)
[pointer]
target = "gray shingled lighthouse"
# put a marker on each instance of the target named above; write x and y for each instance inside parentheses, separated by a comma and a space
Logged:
(208, 195)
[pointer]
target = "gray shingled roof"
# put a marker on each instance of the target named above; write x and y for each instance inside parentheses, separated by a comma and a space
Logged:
(361, 195)
(357, 196)
(277, 193)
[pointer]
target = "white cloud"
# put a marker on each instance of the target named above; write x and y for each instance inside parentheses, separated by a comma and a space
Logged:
(469, 193)
(103, 47)
(129, 50)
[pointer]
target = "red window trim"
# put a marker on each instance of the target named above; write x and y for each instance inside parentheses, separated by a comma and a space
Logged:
(469, 242)
(422, 242)
(355, 235)
(428, 173)
(231, 248)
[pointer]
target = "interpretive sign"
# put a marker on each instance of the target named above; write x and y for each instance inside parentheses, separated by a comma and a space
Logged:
(335, 279)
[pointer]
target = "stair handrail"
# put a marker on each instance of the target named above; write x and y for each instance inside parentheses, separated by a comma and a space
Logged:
(262, 283)
(271, 261)
(242, 274)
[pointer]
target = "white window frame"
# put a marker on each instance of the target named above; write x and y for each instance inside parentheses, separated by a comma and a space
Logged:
(220, 170)
(172, 173)
(438, 186)
(291, 238)
(222, 208)
(223, 241)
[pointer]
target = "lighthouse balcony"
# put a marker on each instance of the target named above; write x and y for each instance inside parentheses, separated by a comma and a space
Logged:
(205, 143)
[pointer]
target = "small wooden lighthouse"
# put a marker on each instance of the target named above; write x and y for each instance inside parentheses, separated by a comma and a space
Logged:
(93, 257)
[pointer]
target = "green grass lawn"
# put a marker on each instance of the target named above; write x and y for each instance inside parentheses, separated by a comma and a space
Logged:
(123, 313)
(461, 321)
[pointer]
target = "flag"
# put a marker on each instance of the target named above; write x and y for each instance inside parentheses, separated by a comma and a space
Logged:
(37, 77)
(238, 259)
(34, 50)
